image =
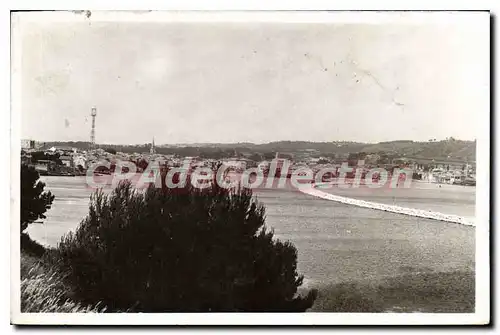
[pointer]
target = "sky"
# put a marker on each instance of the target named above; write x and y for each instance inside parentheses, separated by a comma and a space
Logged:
(226, 82)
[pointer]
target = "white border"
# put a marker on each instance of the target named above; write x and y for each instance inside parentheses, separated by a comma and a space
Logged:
(482, 232)
(15, 161)
(312, 5)
(337, 17)
(251, 318)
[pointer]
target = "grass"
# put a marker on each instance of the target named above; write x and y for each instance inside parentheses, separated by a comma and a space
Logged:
(43, 289)
(430, 292)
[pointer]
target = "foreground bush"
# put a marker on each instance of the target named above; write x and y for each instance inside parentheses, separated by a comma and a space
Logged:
(34, 201)
(31, 247)
(195, 250)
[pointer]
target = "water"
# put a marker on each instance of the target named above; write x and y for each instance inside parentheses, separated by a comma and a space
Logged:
(335, 242)
(444, 198)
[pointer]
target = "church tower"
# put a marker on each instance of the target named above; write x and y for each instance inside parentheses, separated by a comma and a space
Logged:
(152, 151)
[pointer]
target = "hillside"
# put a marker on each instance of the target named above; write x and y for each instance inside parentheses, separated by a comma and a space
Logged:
(451, 149)
(447, 149)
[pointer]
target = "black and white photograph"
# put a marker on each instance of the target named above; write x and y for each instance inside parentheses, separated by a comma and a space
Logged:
(325, 167)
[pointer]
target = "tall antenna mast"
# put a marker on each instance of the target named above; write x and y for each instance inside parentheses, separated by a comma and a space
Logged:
(93, 113)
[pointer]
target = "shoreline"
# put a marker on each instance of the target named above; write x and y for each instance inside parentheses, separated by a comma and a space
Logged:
(427, 214)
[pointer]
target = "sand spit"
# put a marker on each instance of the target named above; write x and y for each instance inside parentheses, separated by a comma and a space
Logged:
(388, 208)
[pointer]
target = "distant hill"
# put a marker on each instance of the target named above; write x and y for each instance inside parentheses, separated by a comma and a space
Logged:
(446, 149)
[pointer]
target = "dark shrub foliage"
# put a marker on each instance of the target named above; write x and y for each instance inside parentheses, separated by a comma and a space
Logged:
(40, 155)
(30, 247)
(34, 202)
(110, 150)
(195, 250)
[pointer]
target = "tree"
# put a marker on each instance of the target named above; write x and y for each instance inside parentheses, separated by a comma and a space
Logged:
(110, 150)
(323, 161)
(196, 250)
(142, 164)
(269, 155)
(256, 157)
(34, 201)
(40, 155)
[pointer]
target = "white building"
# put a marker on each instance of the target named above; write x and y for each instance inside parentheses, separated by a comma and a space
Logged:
(27, 144)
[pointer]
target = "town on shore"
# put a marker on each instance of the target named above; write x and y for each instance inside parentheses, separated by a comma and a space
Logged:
(449, 161)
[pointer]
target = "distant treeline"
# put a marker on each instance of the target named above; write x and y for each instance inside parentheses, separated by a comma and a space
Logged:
(446, 149)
